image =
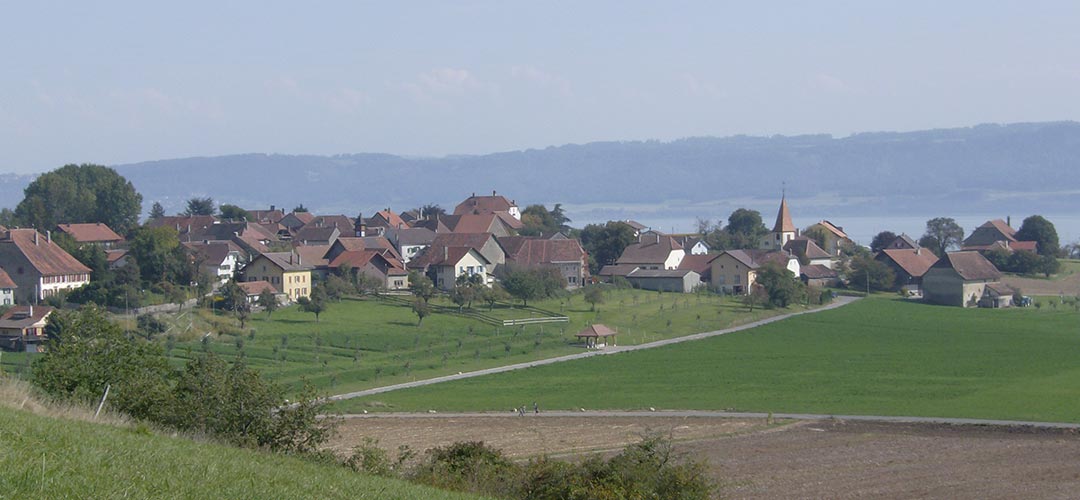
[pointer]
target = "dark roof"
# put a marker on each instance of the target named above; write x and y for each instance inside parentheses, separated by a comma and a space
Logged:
(651, 248)
(617, 270)
(5, 280)
(596, 330)
(754, 258)
(833, 228)
(46, 257)
(699, 263)
(271, 216)
(316, 233)
(915, 262)
(21, 317)
(344, 223)
(660, 273)
(903, 241)
(635, 224)
(807, 247)
(532, 252)
(183, 223)
(1000, 288)
(817, 271)
(473, 240)
(288, 261)
(410, 236)
(90, 232)
(969, 265)
(313, 255)
(214, 252)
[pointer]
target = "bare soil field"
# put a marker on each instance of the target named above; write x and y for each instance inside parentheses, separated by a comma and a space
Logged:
(1069, 285)
(806, 459)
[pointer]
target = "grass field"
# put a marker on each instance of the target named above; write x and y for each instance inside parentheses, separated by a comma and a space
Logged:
(876, 356)
(366, 343)
(49, 457)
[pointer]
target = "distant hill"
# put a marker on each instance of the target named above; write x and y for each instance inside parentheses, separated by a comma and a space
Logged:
(981, 169)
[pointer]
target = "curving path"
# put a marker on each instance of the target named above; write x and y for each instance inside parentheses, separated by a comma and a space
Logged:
(839, 302)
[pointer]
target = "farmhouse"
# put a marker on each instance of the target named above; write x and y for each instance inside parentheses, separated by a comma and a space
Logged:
(284, 270)
(22, 328)
(997, 234)
(733, 271)
(665, 280)
(909, 265)
(387, 271)
(835, 237)
(253, 289)
(39, 267)
(91, 234)
(494, 204)
(565, 255)
(444, 264)
(959, 279)
(653, 250)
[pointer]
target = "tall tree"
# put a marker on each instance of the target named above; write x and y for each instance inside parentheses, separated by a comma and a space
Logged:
(268, 302)
(882, 240)
(1037, 228)
(746, 228)
(781, 285)
(316, 303)
(155, 249)
(233, 212)
(300, 208)
(865, 270)
(80, 193)
(157, 211)
(605, 243)
(200, 206)
(942, 233)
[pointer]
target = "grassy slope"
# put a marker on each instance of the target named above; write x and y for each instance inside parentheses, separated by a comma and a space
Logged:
(877, 356)
(48, 457)
(386, 337)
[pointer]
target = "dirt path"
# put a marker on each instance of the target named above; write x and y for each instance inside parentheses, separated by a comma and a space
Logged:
(833, 458)
(840, 301)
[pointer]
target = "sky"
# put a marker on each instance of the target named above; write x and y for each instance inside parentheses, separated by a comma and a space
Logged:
(122, 82)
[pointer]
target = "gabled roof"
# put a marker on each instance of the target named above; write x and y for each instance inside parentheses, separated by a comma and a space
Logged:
(915, 262)
(266, 216)
(817, 272)
(256, 287)
(807, 247)
(287, 261)
(699, 263)
(483, 204)
(651, 248)
(661, 273)
(183, 223)
(213, 253)
(409, 236)
(443, 256)
(46, 257)
(755, 258)
(903, 242)
(111, 256)
(474, 223)
(316, 233)
(344, 223)
(90, 232)
(388, 219)
(971, 266)
(534, 252)
(24, 316)
(353, 258)
(5, 280)
(833, 228)
(783, 219)
(313, 255)
(596, 330)
(617, 270)
(635, 224)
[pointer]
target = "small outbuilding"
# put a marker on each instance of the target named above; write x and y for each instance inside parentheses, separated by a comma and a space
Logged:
(596, 336)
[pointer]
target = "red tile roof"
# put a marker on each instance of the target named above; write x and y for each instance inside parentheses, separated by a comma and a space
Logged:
(833, 228)
(256, 287)
(651, 248)
(183, 223)
(596, 330)
(46, 257)
(5, 280)
(807, 247)
(443, 256)
(354, 258)
(915, 262)
(90, 232)
(817, 272)
(313, 255)
(533, 252)
(24, 316)
(483, 205)
(783, 219)
(700, 264)
(971, 266)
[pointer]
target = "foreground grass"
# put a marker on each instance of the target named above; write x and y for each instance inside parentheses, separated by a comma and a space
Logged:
(43, 456)
(358, 344)
(877, 356)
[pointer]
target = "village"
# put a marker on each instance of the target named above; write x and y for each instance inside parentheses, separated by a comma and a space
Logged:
(274, 258)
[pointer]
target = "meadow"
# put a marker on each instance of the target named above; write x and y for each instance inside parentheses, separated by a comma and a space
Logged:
(877, 356)
(369, 342)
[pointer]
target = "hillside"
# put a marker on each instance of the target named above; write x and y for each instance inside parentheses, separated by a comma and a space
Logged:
(44, 456)
(988, 166)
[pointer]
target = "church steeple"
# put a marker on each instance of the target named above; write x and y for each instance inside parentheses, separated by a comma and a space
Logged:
(783, 218)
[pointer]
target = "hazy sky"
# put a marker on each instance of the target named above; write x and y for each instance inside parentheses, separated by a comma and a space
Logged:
(111, 82)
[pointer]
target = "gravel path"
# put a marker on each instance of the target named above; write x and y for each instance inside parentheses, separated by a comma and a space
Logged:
(840, 301)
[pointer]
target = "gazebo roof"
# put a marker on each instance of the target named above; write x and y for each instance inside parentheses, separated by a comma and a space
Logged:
(596, 331)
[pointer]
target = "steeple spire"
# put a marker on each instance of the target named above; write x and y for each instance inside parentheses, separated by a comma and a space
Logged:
(783, 218)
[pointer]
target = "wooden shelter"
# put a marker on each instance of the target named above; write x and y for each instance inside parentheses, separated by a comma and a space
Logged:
(595, 336)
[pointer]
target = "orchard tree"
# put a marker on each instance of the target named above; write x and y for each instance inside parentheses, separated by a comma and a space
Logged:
(316, 303)
(268, 302)
(1037, 228)
(80, 193)
(422, 309)
(594, 295)
(421, 286)
(942, 233)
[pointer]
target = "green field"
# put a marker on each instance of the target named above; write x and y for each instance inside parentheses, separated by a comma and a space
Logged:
(50, 457)
(366, 343)
(877, 356)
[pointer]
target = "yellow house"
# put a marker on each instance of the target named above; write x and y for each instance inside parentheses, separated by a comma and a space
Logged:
(733, 271)
(284, 270)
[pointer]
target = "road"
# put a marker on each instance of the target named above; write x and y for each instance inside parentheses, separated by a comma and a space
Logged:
(839, 302)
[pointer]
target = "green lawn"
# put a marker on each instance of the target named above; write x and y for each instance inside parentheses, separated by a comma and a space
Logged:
(876, 356)
(366, 343)
(48, 457)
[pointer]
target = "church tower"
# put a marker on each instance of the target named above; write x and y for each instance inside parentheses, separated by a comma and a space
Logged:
(783, 231)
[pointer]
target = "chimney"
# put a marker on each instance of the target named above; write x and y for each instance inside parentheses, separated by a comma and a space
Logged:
(1008, 220)
(445, 253)
(299, 260)
(918, 251)
(35, 237)
(493, 193)
(48, 236)
(31, 310)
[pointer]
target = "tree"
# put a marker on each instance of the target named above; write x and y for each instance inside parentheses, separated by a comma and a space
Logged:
(605, 243)
(493, 295)
(1037, 228)
(315, 304)
(80, 193)
(1048, 265)
(157, 211)
(242, 310)
(818, 234)
(87, 351)
(432, 211)
(233, 212)
(594, 295)
(746, 228)
(756, 295)
(421, 308)
(421, 286)
(942, 233)
(336, 288)
(527, 284)
(268, 302)
(882, 240)
(300, 208)
(558, 216)
(155, 249)
(466, 290)
(864, 268)
(200, 206)
(780, 284)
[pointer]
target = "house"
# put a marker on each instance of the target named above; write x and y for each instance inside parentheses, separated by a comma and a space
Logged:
(653, 250)
(388, 271)
(7, 289)
(485, 243)
(271, 216)
(254, 289)
(497, 224)
(183, 223)
(903, 242)
(219, 259)
(701, 264)
(733, 271)
(808, 251)
(312, 234)
(636, 226)
(296, 220)
(694, 245)
(565, 255)
(909, 265)
(39, 267)
(959, 279)
(22, 328)
(444, 264)
(384, 220)
(783, 231)
(494, 204)
(665, 280)
(835, 237)
(410, 241)
(377, 243)
(997, 234)
(91, 234)
(818, 275)
(252, 238)
(285, 270)
(997, 295)
(117, 258)
(314, 256)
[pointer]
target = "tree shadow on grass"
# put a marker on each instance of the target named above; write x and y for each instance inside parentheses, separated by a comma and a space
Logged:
(401, 323)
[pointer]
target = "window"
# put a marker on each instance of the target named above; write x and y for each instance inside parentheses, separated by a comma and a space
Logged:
(461, 270)
(471, 270)
(721, 279)
(738, 279)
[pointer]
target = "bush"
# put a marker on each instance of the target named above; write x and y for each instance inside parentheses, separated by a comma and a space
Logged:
(467, 466)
